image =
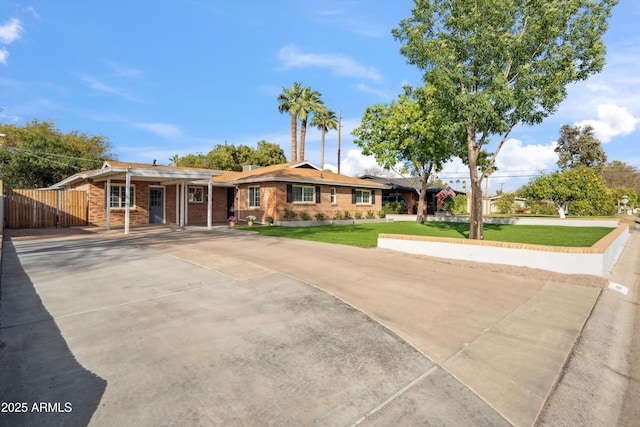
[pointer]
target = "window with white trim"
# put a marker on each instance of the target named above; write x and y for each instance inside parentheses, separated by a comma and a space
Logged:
(254, 197)
(363, 197)
(333, 195)
(118, 196)
(303, 194)
(196, 194)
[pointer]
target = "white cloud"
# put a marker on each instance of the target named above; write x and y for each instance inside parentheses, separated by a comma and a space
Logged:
(612, 121)
(387, 96)
(10, 31)
(100, 86)
(4, 54)
(164, 130)
(354, 164)
(516, 159)
(341, 65)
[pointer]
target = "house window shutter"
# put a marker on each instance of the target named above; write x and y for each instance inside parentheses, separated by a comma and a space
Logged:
(373, 197)
(318, 194)
(289, 193)
(353, 196)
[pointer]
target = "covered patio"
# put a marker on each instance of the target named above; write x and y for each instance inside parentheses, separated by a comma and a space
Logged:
(115, 183)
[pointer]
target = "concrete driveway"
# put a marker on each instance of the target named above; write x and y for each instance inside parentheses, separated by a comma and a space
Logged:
(170, 326)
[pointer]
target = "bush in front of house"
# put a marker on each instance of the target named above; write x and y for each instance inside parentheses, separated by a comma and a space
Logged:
(289, 215)
(391, 208)
(304, 215)
(358, 215)
(346, 215)
(370, 215)
(320, 216)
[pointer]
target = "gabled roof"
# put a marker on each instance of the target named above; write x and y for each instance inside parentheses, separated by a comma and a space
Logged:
(295, 172)
(140, 172)
(399, 183)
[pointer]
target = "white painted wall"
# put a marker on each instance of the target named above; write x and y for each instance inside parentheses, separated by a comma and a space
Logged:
(567, 222)
(598, 264)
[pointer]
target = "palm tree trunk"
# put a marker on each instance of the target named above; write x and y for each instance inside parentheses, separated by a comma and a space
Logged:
(303, 134)
(322, 152)
(294, 141)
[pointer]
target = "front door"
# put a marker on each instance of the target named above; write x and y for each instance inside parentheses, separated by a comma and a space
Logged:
(156, 205)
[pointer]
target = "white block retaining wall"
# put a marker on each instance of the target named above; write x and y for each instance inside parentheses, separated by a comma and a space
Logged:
(597, 260)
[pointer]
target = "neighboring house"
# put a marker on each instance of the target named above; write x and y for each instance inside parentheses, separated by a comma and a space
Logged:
(408, 189)
(177, 195)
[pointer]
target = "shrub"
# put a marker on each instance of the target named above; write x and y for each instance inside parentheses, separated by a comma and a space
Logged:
(393, 207)
(382, 213)
(358, 215)
(289, 215)
(505, 204)
(338, 216)
(370, 215)
(304, 215)
(541, 207)
(347, 215)
(269, 220)
(320, 217)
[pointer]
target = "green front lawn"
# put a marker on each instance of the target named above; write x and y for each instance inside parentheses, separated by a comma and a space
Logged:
(366, 235)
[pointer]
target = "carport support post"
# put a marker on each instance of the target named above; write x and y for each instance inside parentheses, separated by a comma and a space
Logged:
(177, 204)
(209, 207)
(127, 198)
(183, 196)
(108, 199)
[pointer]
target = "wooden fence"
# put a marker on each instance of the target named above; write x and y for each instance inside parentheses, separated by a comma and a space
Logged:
(45, 208)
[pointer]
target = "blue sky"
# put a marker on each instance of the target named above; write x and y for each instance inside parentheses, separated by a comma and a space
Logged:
(168, 77)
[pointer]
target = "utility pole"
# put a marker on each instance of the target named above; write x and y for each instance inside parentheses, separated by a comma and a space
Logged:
(339, 127)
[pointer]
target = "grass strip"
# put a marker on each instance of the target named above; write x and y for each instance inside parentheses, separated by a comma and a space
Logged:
(366, 235)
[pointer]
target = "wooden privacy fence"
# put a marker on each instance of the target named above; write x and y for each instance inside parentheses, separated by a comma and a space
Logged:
(45, 208)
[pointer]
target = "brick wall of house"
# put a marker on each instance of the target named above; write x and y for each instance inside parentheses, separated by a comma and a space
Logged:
(197, 212)
(273, 202)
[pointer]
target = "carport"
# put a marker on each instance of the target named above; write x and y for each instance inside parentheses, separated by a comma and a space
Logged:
(160, 176)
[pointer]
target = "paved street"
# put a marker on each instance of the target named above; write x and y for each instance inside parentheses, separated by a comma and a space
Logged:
(170, 326)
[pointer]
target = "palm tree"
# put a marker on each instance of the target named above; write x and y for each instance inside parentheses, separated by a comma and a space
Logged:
(310, 102)
(289, 102)
(324, 120)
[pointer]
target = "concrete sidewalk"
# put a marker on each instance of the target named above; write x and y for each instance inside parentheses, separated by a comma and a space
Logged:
(204, 313)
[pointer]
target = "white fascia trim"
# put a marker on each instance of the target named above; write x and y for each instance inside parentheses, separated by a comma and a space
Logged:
(306, 181)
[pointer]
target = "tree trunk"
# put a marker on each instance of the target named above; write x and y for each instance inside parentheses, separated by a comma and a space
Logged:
(322, 153)
(294, 141)
(303, 134)
(421, 198)
(476, 231)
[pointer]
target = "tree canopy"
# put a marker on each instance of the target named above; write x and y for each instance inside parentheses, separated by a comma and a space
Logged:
(38, 154)
(580, 188)
(578, 146)
(233, 158)
(410, 132)
(499, 63)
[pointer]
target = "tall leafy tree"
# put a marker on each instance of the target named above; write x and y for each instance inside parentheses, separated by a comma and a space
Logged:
(409, 132)
(233, 158)
(38, 154)
(289, 102)
(578, 146)
(619, 174)
(324, 119)
(499, 63)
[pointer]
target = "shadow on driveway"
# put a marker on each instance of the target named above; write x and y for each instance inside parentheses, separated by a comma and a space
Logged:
(41, 382)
